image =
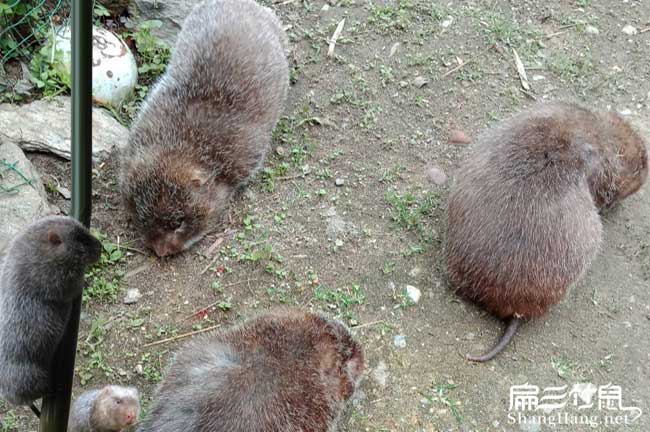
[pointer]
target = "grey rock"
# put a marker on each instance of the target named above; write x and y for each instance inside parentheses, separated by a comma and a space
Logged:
(399, 341)
(436, 175)
(19, 205)
(45, 126)
(339, 182)
(132, 296)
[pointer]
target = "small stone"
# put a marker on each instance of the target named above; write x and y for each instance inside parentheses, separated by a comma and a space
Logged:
(64, 192)
(538, 77)
(447, 22)
(420, 82)
(121, 372)
(325, 8)
(617, 68)
(139, 369)
(413, 293)
(630, 30)
(436, 176)
(592, 30)
(280, 151)
(380, 373)
(470, 336)
(132, 296)
(338, 242)
(459, 137)
(403, 84)
(625, 112)
(415, 272)
(399, 341)
(339, 182)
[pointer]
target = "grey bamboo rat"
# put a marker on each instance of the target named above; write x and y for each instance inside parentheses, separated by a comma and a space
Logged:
(42, 273)
(523, 220)
(109, 409)
(206, 126)
(285, 371)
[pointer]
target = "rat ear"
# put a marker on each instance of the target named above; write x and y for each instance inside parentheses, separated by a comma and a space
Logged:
(53, 237)
(199, 177)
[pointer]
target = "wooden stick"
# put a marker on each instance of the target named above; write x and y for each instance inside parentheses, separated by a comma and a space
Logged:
(184, 335)
(645, 30)
(205, 308)
(335, 37)
(217, 242)
(368, 324)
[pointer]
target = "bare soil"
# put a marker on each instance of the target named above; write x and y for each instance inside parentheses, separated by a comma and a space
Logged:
(345, 216)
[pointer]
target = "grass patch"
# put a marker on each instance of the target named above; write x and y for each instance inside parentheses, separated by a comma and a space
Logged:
(103, 280)
(409, 211)
(440, 396)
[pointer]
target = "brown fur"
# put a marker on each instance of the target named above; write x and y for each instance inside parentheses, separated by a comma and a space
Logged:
(623, 166)
(284, 371)
(206, 126)
(522, 224)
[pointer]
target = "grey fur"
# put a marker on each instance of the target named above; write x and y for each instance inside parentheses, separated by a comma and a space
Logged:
(96, 410)
(38, 281)
(206, 126)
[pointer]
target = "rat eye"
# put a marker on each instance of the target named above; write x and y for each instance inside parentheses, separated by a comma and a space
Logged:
(118, 401)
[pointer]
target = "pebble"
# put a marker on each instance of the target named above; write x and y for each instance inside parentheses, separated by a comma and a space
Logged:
(380, 373)
(420, 82)
(280, 151)
(403, 84)
(132, 296)
(459, 137)
(538, 77)
(447, 22)
(436, 176)
(325, 8)
(592, 30)
(393, 49)
(413, 293)
(339, 182)
(399, 341)
(625, 112)
(415, 272)
(64, 191)
(630, 30)
(139, 369)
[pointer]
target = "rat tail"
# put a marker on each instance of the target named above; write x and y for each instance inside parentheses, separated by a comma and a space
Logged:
(511, 330)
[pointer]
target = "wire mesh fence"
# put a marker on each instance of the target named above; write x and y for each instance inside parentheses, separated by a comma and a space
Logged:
(25, 25)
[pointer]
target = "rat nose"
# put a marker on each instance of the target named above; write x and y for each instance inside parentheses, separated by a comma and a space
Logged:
(129, 418)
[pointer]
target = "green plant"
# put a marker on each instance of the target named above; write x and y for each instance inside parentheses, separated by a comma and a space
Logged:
(153, 53)
(440, 396)
(408, 211)
(104, 278)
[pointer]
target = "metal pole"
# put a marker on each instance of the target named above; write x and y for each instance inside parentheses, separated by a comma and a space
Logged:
(56, 407)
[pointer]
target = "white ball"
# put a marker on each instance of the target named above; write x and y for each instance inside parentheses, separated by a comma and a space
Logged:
(115, 72)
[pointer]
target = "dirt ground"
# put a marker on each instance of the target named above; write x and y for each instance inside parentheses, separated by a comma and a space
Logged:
(345, 216)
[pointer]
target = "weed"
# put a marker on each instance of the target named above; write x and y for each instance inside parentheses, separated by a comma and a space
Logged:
(498, 28)
(104, 278)
(408, 211)
(440, 396)
(340, 300)
(570, 68)
(564, 367)
(390, 175)
(152, 367)
(9, 421)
